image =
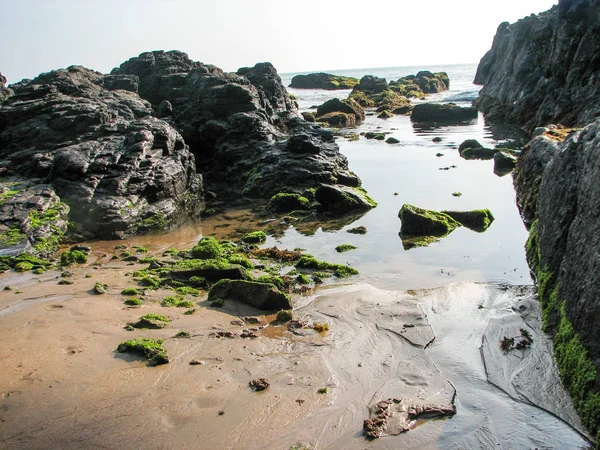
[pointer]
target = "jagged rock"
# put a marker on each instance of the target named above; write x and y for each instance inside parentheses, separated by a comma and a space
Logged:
(437, 112)
(262, 296)
(335, 105)
(119, 169)
(544, 68)
(244, 129)
(323, 81)
(528, 173)
(343, 199)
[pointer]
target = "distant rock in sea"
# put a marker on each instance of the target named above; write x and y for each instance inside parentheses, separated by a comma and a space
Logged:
(322, 80)
(123, 152)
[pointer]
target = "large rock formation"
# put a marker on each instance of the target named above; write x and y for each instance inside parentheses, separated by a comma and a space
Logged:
(121, 151)
(91, 140)
(544, 68)
(244, 129)
(557, 184)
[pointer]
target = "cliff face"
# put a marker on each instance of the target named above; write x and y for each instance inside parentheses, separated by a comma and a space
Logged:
(557, 185)
(544, 68)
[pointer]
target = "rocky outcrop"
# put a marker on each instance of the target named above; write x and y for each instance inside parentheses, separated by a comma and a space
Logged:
(97, 146)
(544, 68)
(375, 92)
(243, 128)
(557, 186)
(424, 82)
(338, 112)
(442, 113)
(323, 81)
(4, 91)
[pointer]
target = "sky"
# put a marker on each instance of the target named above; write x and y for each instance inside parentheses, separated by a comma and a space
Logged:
(296, 36)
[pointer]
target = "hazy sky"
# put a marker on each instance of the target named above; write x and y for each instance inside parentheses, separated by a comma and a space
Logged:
(298, 35)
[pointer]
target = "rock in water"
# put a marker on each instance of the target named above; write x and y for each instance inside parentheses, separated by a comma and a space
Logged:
(553, 61)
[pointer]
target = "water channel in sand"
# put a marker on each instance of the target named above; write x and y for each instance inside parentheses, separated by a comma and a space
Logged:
(64, 387)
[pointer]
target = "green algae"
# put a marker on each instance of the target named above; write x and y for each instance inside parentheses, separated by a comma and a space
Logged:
(152, 349)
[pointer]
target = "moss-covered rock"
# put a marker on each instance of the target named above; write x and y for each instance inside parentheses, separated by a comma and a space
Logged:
(344, 248)
(211, 269)
(476, 220)
(207, 248)
(152, 349)
(287, 202)
(262, 296)
(342, 199)
(255, 237)
(152, 321)
(423, 222)
(73, 257)
(443, 113)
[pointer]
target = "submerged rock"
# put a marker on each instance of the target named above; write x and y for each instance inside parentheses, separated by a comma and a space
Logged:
(323, 81)
(262, 296)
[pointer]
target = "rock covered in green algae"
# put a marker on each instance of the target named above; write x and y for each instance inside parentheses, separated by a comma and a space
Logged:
(152, 321)
(286, 202)
(423, 222)
(152, 349)
(262, 296)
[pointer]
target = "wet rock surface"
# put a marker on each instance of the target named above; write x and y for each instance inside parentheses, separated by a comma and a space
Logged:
(544, 68)
(442, 113)
(119, 169)
(243, 128)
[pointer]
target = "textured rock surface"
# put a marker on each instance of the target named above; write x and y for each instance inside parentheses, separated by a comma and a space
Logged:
(544, 68)
(564, 252)
(4, 91)
(436, 112)
(244, 129)
(262, 296)
(528, 174)
(119, 169)
(323, 81)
